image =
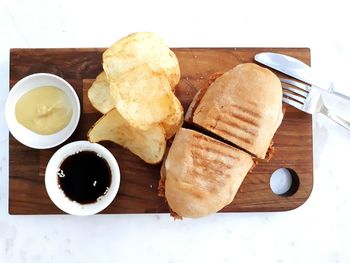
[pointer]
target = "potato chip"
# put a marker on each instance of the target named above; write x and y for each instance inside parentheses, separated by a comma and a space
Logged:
(148, 144)
(99, 94)
(139, 48)
(142, 96)
(135, 92)
(173, 122)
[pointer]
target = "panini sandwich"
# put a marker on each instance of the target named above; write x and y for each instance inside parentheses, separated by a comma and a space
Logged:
(240, 112)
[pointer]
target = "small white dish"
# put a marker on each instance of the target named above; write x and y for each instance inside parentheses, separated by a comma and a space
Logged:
(57, 195)
(28, 137)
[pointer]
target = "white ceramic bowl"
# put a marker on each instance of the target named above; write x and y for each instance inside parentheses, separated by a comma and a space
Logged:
(28, 137)
(57, 195)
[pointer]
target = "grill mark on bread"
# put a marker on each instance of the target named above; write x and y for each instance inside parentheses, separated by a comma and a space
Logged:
(254, 104)
(206, 168)
(198, 156)
(214, 136)
(231, 134)
(213, 150)
(211, 183)
(252, 120)
(247, 110)
(207, 149)
(235, 125)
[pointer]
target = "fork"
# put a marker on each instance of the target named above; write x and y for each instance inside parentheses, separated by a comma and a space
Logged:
(308, 99)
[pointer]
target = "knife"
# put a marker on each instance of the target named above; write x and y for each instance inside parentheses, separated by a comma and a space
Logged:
(296, 69)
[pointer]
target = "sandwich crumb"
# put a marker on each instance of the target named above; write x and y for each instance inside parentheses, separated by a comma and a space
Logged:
(214, 76)
(175, 215)
(255, 163)
(161, 187)
(270, 152)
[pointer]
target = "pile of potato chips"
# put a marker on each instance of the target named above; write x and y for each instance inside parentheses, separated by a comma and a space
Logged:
(136, 95)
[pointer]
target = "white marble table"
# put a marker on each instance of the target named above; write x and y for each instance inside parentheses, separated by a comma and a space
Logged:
(318, 231)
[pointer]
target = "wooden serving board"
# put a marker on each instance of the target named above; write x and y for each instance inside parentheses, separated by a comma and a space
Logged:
(139, 181)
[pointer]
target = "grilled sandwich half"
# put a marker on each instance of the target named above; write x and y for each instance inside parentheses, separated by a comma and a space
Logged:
(201, 175)
(243, 107)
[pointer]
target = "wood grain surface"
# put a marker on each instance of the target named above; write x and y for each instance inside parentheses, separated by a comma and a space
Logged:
(138, 188)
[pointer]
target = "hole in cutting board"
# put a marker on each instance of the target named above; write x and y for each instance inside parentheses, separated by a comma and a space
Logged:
(284, 182)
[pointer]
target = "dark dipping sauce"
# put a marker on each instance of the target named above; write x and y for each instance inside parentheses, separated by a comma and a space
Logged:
(84, 177)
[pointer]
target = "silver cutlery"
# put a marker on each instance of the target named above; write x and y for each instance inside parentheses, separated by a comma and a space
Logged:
(308, 99)
(298, 70)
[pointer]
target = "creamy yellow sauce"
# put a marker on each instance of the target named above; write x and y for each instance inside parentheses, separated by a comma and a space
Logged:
(44, 110)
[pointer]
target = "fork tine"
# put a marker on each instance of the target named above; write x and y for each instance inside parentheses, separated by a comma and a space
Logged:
(293, 103)
(296, 84)
(296, 90)
(294, 97)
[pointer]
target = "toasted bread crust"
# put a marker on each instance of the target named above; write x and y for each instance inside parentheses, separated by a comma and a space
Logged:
(199, 95)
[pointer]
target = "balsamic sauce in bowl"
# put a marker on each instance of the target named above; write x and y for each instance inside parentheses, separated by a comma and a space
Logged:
(84, 177)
